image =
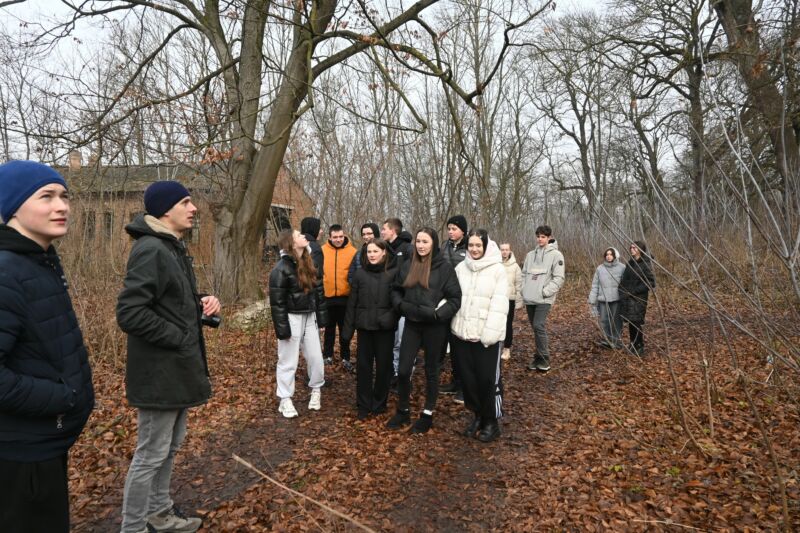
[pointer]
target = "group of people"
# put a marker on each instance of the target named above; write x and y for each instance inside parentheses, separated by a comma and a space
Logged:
(397, 294)
(619, 294)
(401, 294)
(46, 391)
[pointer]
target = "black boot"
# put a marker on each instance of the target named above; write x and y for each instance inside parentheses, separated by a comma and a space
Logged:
(401, 418)
(490, 431)
(423, 424)
(473, 427)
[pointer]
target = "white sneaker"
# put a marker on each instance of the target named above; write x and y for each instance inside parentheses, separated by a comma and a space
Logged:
(315, 402)
(173, 520)
(287, 409)
(506, 354)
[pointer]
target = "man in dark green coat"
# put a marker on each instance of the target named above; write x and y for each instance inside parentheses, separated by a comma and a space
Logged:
(167, 372)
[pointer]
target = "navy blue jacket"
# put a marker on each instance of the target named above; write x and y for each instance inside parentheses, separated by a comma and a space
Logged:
(46, 392)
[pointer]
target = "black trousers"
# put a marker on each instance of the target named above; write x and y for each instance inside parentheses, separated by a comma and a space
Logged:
(34, 496)
(431, 337)
(480, 376)
(374, 348)
(336, 315)
(636, 332)
(510, 324)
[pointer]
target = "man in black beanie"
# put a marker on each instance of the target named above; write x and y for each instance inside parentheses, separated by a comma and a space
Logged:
(312, 228)
(167, 372)
(454, 250)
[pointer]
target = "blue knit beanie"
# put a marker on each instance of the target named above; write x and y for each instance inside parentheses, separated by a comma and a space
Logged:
(161, 196)
(19, 180)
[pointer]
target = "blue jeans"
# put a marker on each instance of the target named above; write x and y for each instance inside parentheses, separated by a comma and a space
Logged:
(159, 436)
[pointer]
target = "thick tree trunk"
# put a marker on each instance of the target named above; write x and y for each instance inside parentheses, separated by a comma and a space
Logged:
(241, 222)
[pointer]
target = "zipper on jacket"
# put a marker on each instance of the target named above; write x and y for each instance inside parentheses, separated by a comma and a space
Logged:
(60, 422)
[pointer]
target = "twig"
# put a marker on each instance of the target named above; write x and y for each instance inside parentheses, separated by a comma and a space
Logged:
(292, 491)
(668, 523)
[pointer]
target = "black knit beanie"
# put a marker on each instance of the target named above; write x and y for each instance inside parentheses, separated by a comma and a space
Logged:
(460, 221)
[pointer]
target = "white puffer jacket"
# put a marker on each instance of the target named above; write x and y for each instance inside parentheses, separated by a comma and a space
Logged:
(484, 298)
(514, 277)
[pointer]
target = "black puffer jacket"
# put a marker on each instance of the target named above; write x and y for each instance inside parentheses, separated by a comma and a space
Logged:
(370, 304)
(286, 296)
(46, 392)
(634, 289)
(454, 253)
(419, 304)
(160, 310)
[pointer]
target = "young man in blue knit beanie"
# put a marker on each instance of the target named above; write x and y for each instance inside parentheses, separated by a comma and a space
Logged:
(166, 372)
(46, 392)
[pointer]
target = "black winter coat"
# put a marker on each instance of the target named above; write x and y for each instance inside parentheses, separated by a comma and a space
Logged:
(454, 253)
(159, 308)
(402, 247)
(634, 289)
(286, 296)
(418, 304)
(46, 392)
(370, 304)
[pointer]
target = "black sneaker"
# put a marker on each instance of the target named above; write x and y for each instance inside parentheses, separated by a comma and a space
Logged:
(543, 366)
(489, 432)
(459, 397)
(449, 388)
(328, 361)
(422, 425)
(473, 427)
(400, 419)
(348, 366)
(363, 414)
(534, 364)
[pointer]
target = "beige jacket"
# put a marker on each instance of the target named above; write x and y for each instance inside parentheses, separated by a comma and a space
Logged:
(514, 277)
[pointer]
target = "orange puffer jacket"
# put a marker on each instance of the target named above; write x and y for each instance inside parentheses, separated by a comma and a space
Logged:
(335, 268)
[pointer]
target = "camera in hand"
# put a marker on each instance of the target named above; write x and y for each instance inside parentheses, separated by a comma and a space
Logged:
(212, 321)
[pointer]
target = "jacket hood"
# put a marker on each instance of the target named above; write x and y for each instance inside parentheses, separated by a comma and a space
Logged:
(511, 259)
(310, 227)
(407, 237)
(345, 244)
(149, 225)
(616, 260)
(389, 263)
(14, 241)
(491, 257)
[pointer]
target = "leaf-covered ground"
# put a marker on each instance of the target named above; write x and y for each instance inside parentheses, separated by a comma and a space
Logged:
(594, 445)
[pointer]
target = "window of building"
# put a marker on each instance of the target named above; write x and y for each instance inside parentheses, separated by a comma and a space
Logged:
(108, 224)
(89, 225)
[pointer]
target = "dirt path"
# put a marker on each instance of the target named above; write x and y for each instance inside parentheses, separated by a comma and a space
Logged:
(585, 447)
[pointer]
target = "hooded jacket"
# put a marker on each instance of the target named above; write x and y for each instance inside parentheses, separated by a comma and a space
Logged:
(484, 298)
(286, 296)
(337, 265)
(514, 278)
(634, 288)
(402, 246)
(542, 275)
(159, 308)
(439, 302)
(309, 227)
(605, 284)
(370, 304)
(46, 392)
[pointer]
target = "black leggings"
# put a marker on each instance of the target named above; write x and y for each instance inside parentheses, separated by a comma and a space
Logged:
(635, 330)
(510, 324)
(374, 347)
(34, 496)
(431, 337)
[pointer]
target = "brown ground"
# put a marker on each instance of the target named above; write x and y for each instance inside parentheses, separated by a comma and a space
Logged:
(594, 445)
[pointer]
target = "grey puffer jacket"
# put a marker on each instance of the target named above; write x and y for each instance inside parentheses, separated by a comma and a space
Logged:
(159, 308)
(605, 284)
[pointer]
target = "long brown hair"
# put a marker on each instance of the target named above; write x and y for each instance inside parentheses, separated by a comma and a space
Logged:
(306, 272)
(420, 271)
